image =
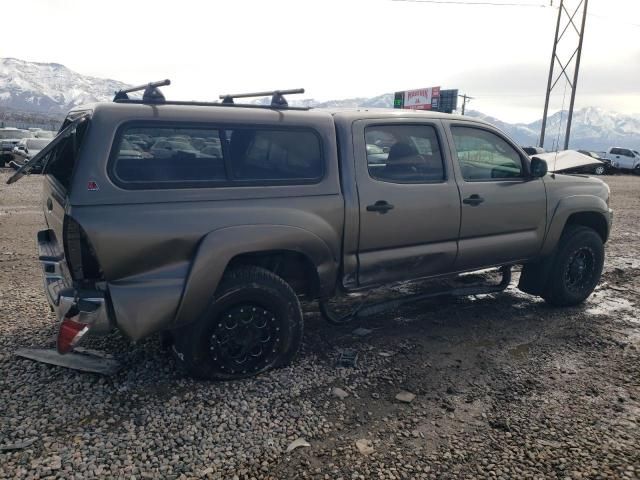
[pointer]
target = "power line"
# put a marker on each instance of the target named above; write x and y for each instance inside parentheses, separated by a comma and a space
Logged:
(480, 3)
(512, 4)
(612, 19)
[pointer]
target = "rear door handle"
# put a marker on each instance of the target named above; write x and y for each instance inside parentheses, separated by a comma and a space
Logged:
(474, 200)
(381, 206)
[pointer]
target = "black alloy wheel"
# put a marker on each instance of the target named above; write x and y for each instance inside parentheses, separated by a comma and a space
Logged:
(253, 324)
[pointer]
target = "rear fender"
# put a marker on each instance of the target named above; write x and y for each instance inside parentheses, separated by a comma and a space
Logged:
(219, 247)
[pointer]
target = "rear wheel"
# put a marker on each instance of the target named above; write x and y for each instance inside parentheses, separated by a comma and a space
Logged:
(577, 267)
(253, 325)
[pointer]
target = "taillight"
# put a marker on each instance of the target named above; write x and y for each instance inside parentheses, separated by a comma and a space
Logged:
(81, 257)
(70, 334)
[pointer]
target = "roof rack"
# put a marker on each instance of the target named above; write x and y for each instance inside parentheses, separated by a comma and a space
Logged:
(152, 94)
(277, 98)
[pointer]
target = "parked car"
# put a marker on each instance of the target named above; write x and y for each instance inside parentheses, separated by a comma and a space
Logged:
(29, 147)
(624, 159)
(598, 169)
(26, 149)
(9, 138)
(218, 250)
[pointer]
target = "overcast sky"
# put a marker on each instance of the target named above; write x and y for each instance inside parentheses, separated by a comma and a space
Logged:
(335, 49)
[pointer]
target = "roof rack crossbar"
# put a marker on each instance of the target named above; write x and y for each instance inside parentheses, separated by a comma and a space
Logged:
(151, 91)
(277, 96)
(212, 104)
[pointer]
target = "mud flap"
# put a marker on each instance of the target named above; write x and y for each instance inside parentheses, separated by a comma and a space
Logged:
(534, 276)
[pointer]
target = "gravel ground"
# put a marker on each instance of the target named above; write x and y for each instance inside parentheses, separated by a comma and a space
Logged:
(505, 387)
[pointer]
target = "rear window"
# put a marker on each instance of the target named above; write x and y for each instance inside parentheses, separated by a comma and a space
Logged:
(154, 156)
(59, 163)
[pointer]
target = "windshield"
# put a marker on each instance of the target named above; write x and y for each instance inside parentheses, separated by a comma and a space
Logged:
(37, 143)
(6, 134)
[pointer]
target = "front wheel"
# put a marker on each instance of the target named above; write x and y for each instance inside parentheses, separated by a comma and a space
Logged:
(599, 170)
(254, 324)
(577, 267)
(636, 170)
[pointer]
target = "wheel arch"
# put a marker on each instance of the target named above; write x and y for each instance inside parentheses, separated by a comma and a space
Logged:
(587, 210)
(274, 247)
(534, 276)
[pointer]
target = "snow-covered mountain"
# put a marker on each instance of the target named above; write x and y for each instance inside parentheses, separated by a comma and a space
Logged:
(592, 128)
(52, 89)
(49, 88)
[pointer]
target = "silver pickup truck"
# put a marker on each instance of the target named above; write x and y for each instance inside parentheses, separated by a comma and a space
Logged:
(211, 220)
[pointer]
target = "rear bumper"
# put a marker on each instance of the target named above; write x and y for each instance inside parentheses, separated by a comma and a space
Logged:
(90, 306)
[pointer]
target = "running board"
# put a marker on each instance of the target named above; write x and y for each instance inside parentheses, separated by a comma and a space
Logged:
(384, 306)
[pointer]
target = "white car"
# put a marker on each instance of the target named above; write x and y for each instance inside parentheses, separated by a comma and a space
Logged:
(9, 138)
(28, 147)
(624, 159)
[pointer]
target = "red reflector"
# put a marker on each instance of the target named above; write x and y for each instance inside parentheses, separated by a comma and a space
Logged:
(70, 334)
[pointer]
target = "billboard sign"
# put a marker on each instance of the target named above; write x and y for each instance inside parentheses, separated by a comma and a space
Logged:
(422, 99)
(432, 98)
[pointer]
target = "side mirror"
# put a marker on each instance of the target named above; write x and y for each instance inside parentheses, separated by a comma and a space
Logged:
(538, 167)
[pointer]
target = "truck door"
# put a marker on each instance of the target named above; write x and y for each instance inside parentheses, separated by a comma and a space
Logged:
(503, 206)
(409, 203)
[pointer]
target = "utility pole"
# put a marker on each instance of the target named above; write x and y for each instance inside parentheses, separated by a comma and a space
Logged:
(465, 97)
(577, 53)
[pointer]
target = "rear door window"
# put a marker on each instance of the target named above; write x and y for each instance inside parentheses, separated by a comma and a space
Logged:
(404, 154)
(154, 156)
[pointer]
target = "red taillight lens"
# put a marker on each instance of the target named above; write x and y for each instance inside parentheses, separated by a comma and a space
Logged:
(70, 334)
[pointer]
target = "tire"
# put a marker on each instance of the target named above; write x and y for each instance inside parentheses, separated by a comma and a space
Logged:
(636, 170)
(257, 316)
(599, 170)
(576, 268)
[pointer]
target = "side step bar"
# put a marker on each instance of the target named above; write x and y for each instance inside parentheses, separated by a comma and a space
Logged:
(379, 307)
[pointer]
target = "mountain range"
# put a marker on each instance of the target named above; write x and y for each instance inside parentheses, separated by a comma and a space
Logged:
(51, 89)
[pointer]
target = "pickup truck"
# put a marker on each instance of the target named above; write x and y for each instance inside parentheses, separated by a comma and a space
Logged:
(624, 159)
(211, 220)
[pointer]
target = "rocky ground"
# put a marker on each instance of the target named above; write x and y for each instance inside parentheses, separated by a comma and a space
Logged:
(505, 387)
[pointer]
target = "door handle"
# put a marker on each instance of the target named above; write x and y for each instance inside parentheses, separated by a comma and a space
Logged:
(49, 204)
(381, 206)
(474, 200)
